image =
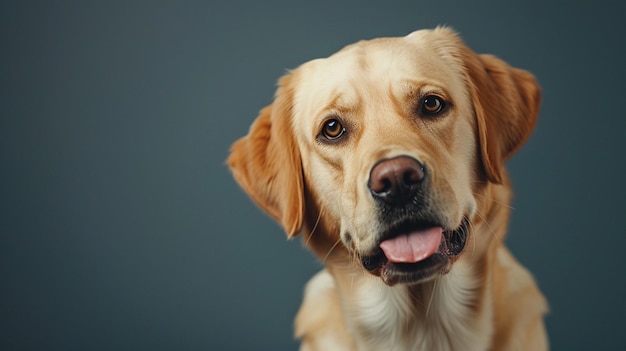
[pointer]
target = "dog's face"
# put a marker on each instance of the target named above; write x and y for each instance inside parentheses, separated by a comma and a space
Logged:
(386, 133)
(389, 144)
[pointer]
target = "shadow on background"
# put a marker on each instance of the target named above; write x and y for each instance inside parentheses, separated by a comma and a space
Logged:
(121, 228)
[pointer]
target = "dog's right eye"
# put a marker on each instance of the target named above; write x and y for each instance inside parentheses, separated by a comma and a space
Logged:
(332, 130)
(432, 106)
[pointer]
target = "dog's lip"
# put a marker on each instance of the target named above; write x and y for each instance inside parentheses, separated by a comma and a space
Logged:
(413, 273)
(451, 245)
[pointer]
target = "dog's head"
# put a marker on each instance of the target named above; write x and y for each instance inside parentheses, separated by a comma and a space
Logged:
(386, 148)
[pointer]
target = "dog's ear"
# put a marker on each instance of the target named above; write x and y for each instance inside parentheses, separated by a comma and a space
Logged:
(506, 102)
(267, 165)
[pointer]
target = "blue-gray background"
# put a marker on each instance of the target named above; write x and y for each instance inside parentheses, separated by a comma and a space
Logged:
(121, 228)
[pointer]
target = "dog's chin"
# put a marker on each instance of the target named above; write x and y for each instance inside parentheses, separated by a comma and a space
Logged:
(439, 263)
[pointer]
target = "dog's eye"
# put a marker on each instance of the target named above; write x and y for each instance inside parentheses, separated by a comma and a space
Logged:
(332, 129)
(432, 105)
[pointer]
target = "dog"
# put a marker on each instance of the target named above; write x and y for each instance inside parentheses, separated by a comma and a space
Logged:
(388, 158)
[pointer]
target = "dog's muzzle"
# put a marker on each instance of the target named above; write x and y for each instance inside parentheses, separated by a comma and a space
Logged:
(415, 245)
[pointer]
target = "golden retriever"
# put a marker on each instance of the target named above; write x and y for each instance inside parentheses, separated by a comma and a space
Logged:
(388, 157)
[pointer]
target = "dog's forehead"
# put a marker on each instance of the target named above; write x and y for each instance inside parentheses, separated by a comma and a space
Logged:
(384, 64)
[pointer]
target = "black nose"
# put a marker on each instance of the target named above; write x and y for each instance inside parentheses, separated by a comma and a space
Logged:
(396, 180)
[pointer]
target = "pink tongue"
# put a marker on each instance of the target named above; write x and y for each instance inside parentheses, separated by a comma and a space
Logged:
(412, 247)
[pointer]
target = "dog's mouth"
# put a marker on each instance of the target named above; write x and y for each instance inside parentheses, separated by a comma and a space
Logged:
(413, 252)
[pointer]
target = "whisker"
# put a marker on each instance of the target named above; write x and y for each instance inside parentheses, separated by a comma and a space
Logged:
(489, 227)
(471, 229)
(415, 297)
(497, 202)
(432, 295)
(503, 204)
(355, 258)
(319, 216)
(331, 250)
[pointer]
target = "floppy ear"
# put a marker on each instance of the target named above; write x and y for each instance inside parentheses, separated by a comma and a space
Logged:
(266, 163)
(506, 102)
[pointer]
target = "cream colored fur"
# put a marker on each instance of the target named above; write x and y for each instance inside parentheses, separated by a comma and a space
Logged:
(318, 187)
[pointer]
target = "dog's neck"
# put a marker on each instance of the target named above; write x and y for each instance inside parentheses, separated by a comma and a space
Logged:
(439, 315)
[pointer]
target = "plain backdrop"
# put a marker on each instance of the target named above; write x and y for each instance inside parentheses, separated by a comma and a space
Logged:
(122, 229)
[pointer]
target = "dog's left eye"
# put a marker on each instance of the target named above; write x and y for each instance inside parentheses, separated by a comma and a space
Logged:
(332, 130)
(432, 105)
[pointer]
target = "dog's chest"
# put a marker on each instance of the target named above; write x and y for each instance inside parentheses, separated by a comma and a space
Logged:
(391, 318)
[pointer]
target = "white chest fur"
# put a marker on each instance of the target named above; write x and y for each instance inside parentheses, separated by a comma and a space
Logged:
(437, 317)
